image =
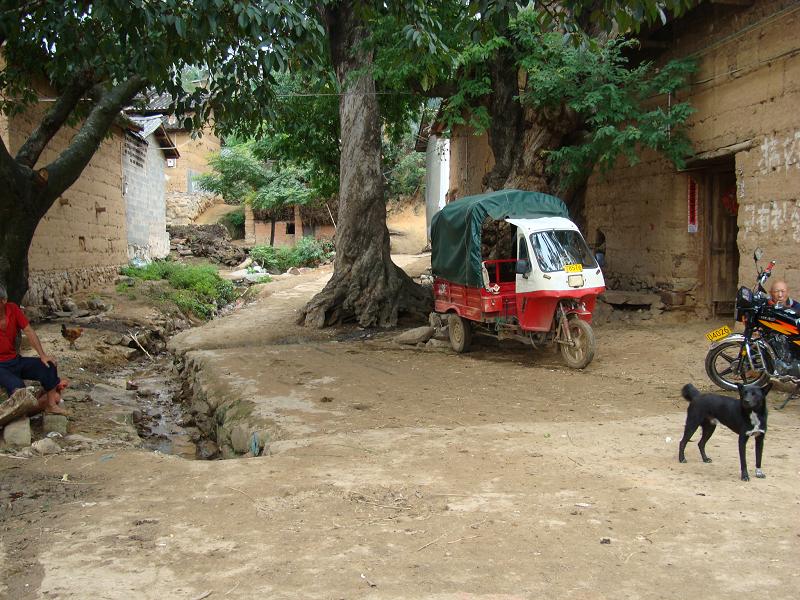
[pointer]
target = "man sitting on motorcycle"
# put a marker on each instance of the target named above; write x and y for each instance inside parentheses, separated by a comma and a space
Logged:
(780, 296)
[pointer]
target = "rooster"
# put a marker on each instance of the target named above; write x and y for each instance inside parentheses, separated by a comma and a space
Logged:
(71, 334)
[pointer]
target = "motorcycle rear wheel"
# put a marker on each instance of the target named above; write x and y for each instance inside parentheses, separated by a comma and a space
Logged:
(460, 333)
(724, 368)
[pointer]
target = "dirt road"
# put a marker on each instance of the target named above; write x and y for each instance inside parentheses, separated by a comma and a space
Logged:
(405, 473)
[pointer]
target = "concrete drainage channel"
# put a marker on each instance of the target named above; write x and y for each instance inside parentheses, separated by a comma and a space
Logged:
(160, 421)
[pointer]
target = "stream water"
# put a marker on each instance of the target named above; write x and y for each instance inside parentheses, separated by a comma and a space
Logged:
(160, 419)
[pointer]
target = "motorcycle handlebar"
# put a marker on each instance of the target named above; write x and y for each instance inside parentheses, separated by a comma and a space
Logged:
(764, 275)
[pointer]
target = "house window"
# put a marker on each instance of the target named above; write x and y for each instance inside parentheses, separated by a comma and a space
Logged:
(289, 228)
(135, 151)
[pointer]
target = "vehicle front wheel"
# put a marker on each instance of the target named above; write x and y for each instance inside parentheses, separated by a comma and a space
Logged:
(581, 352)
(460, 332)
(727, 367)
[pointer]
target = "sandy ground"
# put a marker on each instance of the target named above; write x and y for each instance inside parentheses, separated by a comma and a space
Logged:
(406, 473)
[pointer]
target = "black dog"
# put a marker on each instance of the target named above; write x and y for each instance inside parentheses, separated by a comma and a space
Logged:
(746, 417)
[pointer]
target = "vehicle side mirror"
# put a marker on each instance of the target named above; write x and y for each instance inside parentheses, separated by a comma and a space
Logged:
(758, 254)
(523, 266)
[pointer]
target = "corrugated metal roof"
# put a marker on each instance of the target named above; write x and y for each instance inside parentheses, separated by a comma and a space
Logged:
(148, 124)
(161, 102)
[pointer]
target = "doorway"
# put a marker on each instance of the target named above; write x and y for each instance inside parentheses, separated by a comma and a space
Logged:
(722, 229)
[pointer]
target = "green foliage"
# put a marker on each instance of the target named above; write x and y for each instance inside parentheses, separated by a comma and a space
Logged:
(106, 41)
(308, 252)
(619, 107)
(304, 128)
(285, 185)
(234, 223)
(197, 289)
(242, 173)
(236, 173)
(404, 166)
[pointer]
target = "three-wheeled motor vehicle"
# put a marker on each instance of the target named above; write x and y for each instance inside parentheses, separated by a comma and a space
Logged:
(541, 290)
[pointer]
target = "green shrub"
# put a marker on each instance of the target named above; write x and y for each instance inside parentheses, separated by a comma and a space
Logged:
(198, 289)
(308, 252)
(234, 223)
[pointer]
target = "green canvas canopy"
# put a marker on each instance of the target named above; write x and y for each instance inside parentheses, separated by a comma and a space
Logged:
(456, 229)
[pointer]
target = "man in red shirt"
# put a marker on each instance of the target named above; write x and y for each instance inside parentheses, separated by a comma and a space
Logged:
(15, 368)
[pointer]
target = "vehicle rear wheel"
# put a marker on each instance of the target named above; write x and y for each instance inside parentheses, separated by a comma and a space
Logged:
(725, 368)
(581, 352)
(460, 332)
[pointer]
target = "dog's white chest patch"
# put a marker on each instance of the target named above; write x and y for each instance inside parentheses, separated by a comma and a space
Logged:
(756, 430)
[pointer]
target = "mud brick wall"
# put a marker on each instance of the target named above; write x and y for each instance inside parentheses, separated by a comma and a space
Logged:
(84, 231)
(143, 188)
(185, 201)
(746, 94)
(470, 159)
(646, 240)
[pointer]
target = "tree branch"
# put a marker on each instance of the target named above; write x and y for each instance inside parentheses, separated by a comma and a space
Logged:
(55, 118)
(66, 169)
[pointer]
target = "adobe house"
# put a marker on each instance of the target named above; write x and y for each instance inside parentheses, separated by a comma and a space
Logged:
(82, 240)
(693, 232)
(317, 222)
(146, 154)
(185, 199)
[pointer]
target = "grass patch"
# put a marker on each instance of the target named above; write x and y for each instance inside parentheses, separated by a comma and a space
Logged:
(193, 289)
(308, 252)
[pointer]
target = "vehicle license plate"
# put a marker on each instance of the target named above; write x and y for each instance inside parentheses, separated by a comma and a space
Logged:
(576, 268)
(575, 280)
(718, 334)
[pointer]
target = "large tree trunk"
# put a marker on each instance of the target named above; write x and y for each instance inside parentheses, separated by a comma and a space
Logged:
(521, 137)
(28, 191)
(23, 202)
(16, 233)
(366, 285)
(298, 224)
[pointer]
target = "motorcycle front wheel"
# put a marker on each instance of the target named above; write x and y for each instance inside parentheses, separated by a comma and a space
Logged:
(727, 365)
(581, 352)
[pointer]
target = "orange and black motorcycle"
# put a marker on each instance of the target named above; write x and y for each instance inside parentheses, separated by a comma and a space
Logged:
(769, 347)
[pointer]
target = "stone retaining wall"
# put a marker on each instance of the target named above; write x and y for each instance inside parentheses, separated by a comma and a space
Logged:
(50, 288)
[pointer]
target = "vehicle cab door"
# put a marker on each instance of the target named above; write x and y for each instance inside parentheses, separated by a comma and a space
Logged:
(524, 269)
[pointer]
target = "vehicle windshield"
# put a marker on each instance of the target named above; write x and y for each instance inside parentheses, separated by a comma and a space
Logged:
(559, 247)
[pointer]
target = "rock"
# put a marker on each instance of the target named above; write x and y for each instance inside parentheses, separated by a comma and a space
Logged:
(46, 446)
(435, 344)
(69, 305)
(79, 439)
(602, 313)
(97, 304)
(18, 433)
(55, 423)
(36, 313)
(131, 353)
(414, 336)
(293, 271)
(240, 439)
(112, 396)
(130, 385)
(21, 404)
(672, 298)
(247, 262)
(207, 450)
